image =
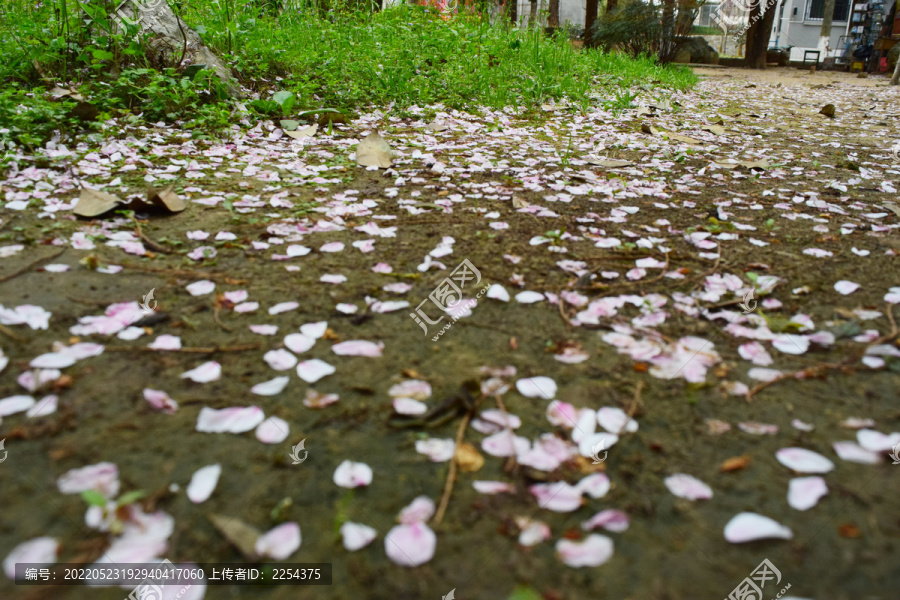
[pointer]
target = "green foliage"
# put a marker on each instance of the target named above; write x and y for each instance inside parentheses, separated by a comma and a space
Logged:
(633, 28)
(703, 30)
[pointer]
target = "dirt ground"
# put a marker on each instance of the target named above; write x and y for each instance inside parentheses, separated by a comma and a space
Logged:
(533, 202)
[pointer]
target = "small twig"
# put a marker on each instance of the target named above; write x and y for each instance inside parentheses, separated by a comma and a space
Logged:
(7, 331)
(665, 269)
(196, 350)
(511, 461)
(155, 246)
(822, 368)
(562, 308)
(633, 408)
(216, 308)
(708, 273)
(451, 474)
(30, 266)
(178, 272)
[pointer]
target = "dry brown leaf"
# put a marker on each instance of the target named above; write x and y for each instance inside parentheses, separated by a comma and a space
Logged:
(649, 129)
(166, 198)
(436, 127)
(735, 463)
(608, 163)
(94, 202)
(716, 129)
(242, 536)
(519, 202)
(684, 138)
(468, 458)
(374, 151)
(303, 133)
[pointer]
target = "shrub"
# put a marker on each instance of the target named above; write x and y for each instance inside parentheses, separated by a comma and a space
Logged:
(633, 28)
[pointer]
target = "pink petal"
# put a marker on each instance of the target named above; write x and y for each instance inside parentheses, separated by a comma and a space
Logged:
(283, 307)
(271, 387)
(166, 342)
(52, 360)
(208, 371)
(280, 542)
(529, 297)
(418, 511)
(845, 287)
(203, 482)
(686, 486)
(558, 496)
(435, 449)
(43, 407)
(614, 420)
(357, 536)
(264, 329)
(314, 330)
(410, 545)
(493, 487)
(352, 474)
(505, 443)
(802, 460)
(280, 360)
(875, 441)
(532, 532)
(408, 406)
(497, 292)
(593, 551)
(200, 288)
(244, 307)
(332, 247)
(298, 343)
(610, 519)
(333, 278)
(595, 485)
(315, 399)
(755, 353)
(237, 419)
(805, 492)
(313, 370)
(411, 388)
(791, 344)
(15, 404)
(273, 431)
(236, 296)
(39, 551)
(561, 414)
(748, 526)
(358, 348)
(755, 428)
(853, 452)
(160, 401)
(382, 268)
(103, 477)
(537, 387)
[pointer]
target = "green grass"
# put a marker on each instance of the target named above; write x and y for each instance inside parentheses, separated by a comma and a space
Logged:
(344, 58)
(702, 30)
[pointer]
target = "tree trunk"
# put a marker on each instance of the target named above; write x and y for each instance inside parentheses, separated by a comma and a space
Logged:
(532, 15)
(896, 78)
(512, 7)
(825, 35)
(553, 17)
(667, 37)
(591, 8)
(170, 40)
(758, 37)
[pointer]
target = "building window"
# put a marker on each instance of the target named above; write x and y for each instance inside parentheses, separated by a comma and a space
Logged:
(815, 10)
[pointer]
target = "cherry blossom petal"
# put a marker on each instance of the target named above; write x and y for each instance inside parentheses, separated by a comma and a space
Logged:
(298, 343)
(358, 348)
(562, 414)
(313, 370)
(805, 492)
(593, 551)
(686, 486)
(15, 404)
(791, 344)
(436, 449)
(845, 287)
(280, 360)
(314, 330)
(493, 487)
(505, 443)
(237, 419)
(166, 342)
(558, 496)
(875, 441)
(802, 460)
(498, 292)
(283, 307)
(595, 485)
(52, 360)
(208, 371)
(532, 531)
(352, 474)
(273, 431)
(408, 406)
(610, 519)
(203, 482)
(102, 477)
(411, 388)
(160, 401)
(418, 511)
(748, 526)
(853, 452)
(200, 288)
(356, 535)
(280, 542)
(410, 545)
(271, 387)
(37, 551)
(614, 420)
(537, 387)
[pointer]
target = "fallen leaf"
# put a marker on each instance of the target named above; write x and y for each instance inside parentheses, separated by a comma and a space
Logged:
(649, 129)
(735, 463)
(303, 133)
(94, 202)
(849, 530)
(289, 124)
(716, 129)
(520, 202)
(374, 151)
(436, 127)
(684, 138)
(468, 458)
(242, 536)
(827, 110)
(166, 198)
(608, 163)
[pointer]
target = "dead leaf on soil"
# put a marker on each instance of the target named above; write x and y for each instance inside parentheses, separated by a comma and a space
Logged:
(374, 151)
(608, 163)
(716, 129)
(58, 93)
(684, 138)
(827, 110)
(166, 198)
(242, 536)
(735, 463)
(306, 132)
(468, 458)
(520, 202)
(646, 128)
(892, 206)
(436, 127)
(94, 202)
